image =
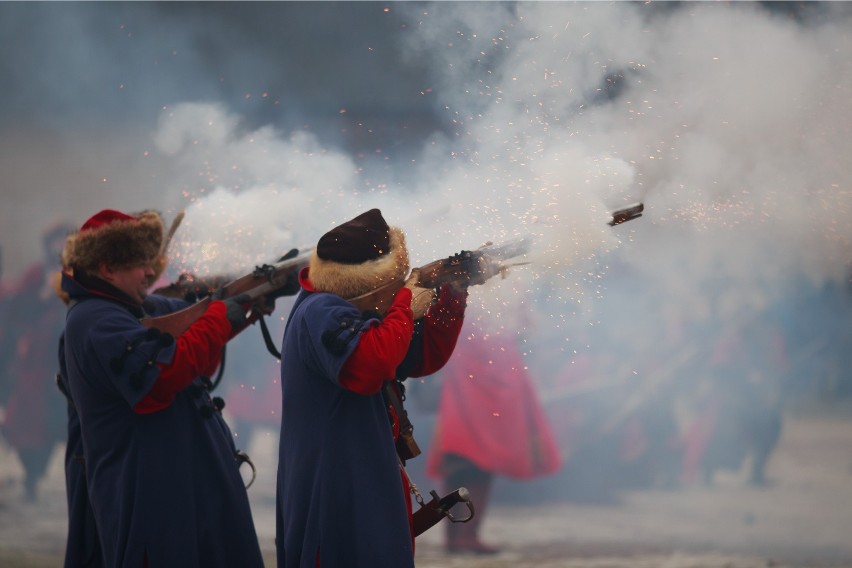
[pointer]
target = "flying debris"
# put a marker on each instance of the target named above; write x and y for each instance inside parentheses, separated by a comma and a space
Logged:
(626, 214)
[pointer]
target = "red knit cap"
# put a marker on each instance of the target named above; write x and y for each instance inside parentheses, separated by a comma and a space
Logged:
(105, 217)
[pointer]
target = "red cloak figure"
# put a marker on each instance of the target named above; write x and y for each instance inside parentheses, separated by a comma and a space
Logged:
(489, 423)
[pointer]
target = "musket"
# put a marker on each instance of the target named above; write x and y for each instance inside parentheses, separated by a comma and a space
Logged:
(191, 287)
(268, 281)
(469, 268)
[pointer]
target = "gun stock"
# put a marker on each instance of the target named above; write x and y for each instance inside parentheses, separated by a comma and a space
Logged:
(272, 281)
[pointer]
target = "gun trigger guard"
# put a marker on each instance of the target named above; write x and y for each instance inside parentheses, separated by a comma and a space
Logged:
(454, 519)
(242, 458)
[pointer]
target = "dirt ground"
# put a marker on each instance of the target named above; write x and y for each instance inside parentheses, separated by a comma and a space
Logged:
(803, 519)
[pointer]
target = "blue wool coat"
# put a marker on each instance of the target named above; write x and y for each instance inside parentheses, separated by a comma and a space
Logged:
(164, 485)
(340, 492)
(82, 548)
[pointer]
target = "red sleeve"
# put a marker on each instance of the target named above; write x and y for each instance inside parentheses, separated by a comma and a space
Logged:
(442, 325)
(198, 351)
(380, 349)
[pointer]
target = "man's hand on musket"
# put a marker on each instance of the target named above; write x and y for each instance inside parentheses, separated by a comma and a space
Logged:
(263, 306)
(242, 311)
(474, 269)
(413, 280)
(421, 298)
(292, 286)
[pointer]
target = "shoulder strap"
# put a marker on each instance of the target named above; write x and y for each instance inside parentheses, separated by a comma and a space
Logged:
(267, 339)
(406, 446)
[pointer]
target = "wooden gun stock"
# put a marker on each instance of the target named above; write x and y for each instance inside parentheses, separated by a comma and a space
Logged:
(273, 281)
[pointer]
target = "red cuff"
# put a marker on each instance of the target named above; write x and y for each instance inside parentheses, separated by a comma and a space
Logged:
(441, 328)
(380, 349)
(449, 308)
(198, 351)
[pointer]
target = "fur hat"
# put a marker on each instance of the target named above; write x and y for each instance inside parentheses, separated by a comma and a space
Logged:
(366, 237)
(118, 239)
(359, 256)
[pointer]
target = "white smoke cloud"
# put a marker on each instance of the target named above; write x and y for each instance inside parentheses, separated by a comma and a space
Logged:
(734, 144)
(731, 127)
(249, 195)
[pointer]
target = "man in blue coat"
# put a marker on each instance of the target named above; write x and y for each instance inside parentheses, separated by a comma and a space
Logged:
(161, 469)
(342, 495)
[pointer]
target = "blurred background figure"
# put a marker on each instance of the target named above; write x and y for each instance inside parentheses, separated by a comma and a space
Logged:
(489, 423)
(738, 406)
(34, 410)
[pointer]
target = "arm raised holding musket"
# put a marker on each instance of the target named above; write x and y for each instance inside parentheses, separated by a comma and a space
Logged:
(464, 269)
(258, 288)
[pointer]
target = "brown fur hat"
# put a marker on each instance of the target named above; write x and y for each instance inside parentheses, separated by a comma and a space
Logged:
(359, 256)
(118, 239)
